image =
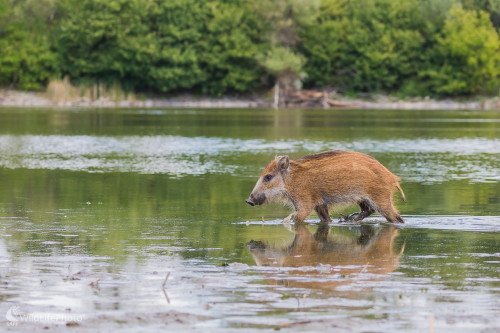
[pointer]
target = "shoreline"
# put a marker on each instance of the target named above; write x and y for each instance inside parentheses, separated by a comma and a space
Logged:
(14, 98)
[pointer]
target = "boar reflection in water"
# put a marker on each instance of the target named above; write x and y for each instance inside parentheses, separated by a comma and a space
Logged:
(371, 252)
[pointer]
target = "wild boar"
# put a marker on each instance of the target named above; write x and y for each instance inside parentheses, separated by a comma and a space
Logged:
(330, 178)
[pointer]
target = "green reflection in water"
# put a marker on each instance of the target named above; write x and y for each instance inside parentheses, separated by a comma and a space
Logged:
(149, 205)
(108, 212)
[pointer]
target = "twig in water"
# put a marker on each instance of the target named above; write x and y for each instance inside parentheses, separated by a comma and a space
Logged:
(166, 296)
(163, 287)
(95, 283)
(165, 281)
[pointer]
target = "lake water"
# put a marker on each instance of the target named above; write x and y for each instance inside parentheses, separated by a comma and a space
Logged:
(135, 219)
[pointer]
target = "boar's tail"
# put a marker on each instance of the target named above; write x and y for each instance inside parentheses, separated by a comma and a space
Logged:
(401, 191)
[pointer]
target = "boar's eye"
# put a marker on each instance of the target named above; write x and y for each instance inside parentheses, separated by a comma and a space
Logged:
(268, 178)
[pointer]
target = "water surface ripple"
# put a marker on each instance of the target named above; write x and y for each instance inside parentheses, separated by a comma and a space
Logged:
(135, 220)
(429, 160)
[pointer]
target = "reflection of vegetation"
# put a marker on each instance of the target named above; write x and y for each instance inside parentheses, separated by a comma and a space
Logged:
(107, 212)
(262, 124)
(450, 257)
(120, 214)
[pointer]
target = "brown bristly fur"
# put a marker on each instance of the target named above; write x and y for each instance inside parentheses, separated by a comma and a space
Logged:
(319, 181)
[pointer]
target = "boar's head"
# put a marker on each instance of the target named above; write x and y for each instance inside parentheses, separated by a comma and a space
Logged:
(271, 183)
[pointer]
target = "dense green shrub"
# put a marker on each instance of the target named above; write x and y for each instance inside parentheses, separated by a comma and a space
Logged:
(230, 40)
(106, 41)
(26, 60)
(468, 55)
(366, 45)
(417, 47)
(411, 47)
(205, 46)
(283, 19)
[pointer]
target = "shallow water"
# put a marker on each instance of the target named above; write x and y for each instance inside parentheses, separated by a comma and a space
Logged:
(98, 207)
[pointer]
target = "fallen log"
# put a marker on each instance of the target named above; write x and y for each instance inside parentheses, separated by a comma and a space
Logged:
(339, 104)
(310, 98)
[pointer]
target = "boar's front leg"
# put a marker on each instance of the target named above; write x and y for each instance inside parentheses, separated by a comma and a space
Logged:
(322, 211)
(302, 213)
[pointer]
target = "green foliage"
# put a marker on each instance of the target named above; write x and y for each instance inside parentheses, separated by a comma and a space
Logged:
(364, 45)
(282, 19)
(468, 50)
(105, 41)
(323, 44)
(285, 65)
(281, 61)
(26, 61)
(413, 47)
(162, 46)
(230, 40)
(492, 7)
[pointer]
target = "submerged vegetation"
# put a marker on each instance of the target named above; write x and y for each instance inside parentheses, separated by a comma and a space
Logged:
(216, 47)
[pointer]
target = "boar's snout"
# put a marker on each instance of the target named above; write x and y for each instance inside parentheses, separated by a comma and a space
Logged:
(255, 200)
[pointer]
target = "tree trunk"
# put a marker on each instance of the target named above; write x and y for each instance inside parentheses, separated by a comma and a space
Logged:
(276, 94)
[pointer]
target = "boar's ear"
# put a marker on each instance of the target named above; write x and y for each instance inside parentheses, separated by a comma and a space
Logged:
(283, 163)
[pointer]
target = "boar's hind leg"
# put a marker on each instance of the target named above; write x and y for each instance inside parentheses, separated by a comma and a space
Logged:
(390, 213)
(322, 211)
(366, 210)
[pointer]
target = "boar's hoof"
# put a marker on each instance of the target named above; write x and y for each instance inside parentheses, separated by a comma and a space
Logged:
(354, 217)
(349, 218)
